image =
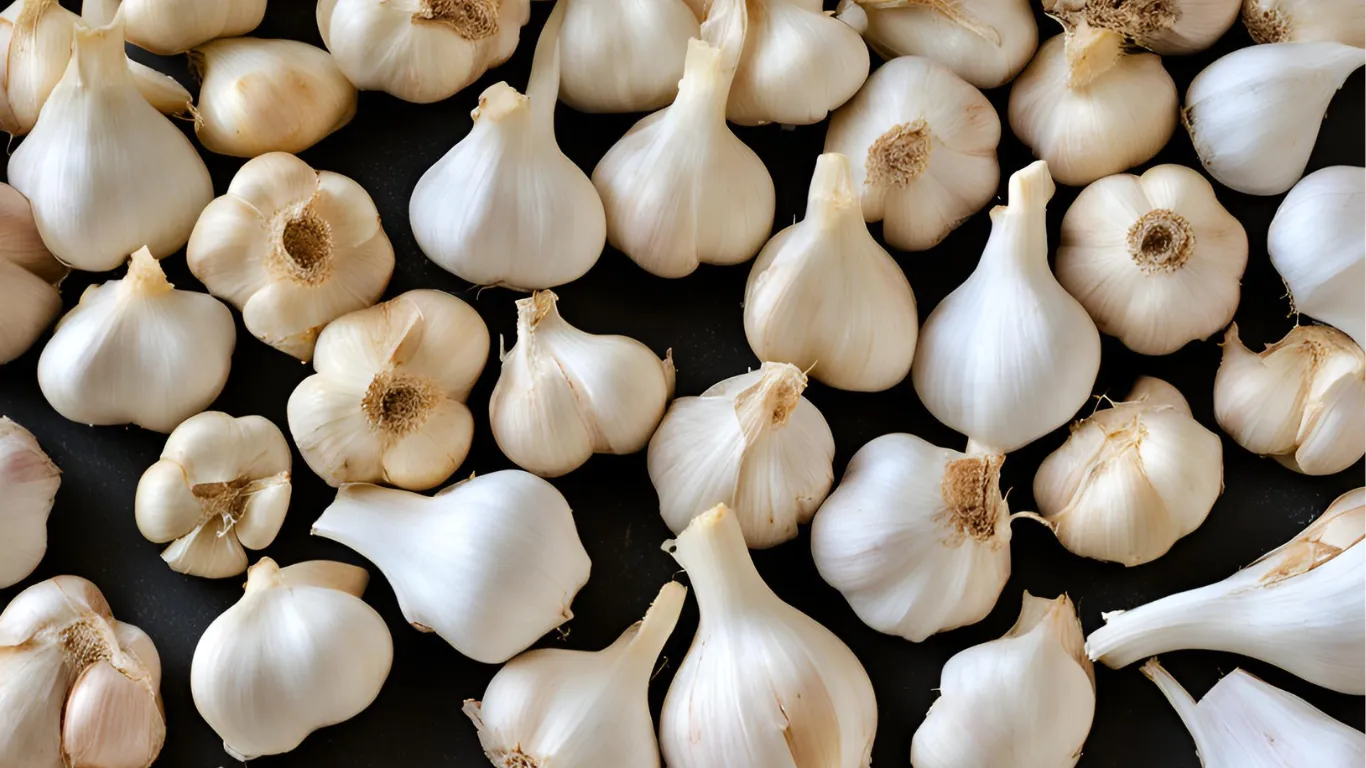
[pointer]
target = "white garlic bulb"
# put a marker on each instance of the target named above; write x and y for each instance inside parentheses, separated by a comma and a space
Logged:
(922, 145)
(387, 403)
(751, 442)
(292, 248)
(173, 26)
(1009, 356)
(1305, 21)
(489, 564)
(28, 484)
(1301, 401)
(1155, 259)
(29, 278)
(623, 55)
(1025, 700)
(300, 651)
(138, 351)
(221, 484)
(826, 297)
(1176, 27)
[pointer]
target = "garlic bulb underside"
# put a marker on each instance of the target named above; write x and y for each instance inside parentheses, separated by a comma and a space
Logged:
(489, 564)
(1009, 356)
(826, 297)
(1301, 401)
(138, 351)
(29, 277)
(1305, 21)
(762, 681)
(1170, 28)
(1254, 114)
(577, 709)
(300, 651)
(751, 442)
(922, 146)
(221, 484)
(173, 26)
(1155, 259)
(78, 689)
(1025, 700)
(387, 403)
(916, 537)
(1299, 607)
(28, 484)
(623, 55)
(292, 248)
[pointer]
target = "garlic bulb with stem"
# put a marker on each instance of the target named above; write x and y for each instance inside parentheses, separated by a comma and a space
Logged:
(1171, 28)
(173, 26)
(1305, 21)
(28, 484)
(623, 55)
(29, 278)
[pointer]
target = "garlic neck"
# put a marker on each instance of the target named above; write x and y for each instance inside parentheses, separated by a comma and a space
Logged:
(1161, 241)
(1090, 52)
(303, 247)
(471, 19)
(899, 156)
(832, 200)
(1019, 234)
(397, 403)
(705, 87)
(501, 103)
(769, 402)
(642, 644)
(971, 490)
(265, 574)
(1185, 620)
(712, 550)
(145, 277)
(531, 311)
(98, 57)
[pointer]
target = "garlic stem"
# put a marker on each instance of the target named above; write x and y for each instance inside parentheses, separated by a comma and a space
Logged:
(645, 640)
(722, 573)
(543, 85)
(1022, 246)
(1090, 52)
(769, 401)
(1180, 700)
(1193, 619)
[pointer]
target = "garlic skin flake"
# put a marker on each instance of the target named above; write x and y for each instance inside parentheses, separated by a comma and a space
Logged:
(1173, 28)
(173, 26)
(1305, 21)
(489, 564)
(28, 484)
(639, 69)
(29, 278)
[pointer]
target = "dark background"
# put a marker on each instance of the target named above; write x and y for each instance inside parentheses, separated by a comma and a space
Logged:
(416, 720)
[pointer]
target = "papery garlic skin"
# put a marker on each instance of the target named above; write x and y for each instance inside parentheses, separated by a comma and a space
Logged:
(28, 484)
(29, 278)
(173, 26)
(623, 55)
(1305, 21)
(1170, 29)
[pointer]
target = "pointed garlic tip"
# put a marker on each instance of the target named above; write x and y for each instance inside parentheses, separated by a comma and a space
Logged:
(1031, 188)
(900, 155)
(531, 311)
(145, 276)
(342, 577)
(701, 65)
(650, 634)
(832, 188)
(498, 101)
(1058, 617)
(770, 401)
(1175, 694)
(98, 54)
(972, 493)
(264, 574)
(1090, 52)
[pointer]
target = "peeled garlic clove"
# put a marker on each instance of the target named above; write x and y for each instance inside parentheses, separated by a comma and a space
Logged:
(28, 484)
(173, 26)
(458, 561)
(1305, 21)
(1171, 28)
(639, 70)
(29, 276)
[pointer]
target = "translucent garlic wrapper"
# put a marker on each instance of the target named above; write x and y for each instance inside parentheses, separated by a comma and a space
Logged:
(1171, 28)
(29, 278)
(1305, 21)
(623, 55)
(173, 26)
(28, 484)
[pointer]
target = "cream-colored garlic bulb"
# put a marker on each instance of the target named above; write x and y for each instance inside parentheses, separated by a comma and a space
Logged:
(1305, 21)
(28, 484)
(387, 403)
(292, 248)
(1155, 259)
(29, 278)
(623, 55)
(1171, 28)
(173, 26)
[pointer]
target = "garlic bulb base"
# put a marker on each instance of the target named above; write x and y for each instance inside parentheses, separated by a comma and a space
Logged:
(1176, 28)
(1305, 21)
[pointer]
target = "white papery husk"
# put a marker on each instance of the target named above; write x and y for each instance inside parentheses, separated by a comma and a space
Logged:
(28, 484)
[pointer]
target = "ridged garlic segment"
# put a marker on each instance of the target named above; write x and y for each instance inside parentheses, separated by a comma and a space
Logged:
(639, 66)
(300, 651)
(173, 26)
(1172, 28)
(28, 484)
(1306, 21)
(489, 564)
(78, 689)
(292, 248)
(1025, 700)
(1300, 607)
(916, 537)
(29, 278)
(1009, 356)
(221, 484)
(138, 351)
(922, 145)
(1155, 259)
(762, 683)
(387, 403)
(751, 442)
(1301, 401)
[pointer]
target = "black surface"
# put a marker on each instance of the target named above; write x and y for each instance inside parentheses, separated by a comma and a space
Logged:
(417, 721)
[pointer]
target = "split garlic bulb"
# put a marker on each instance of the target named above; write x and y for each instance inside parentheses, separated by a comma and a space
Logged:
(221, 484)
(623, 55)
(1155, 259)
(762, 681)
(922, 146)
(1010, 318)
(173, 26)
(300, 651)
(387, 403)
(138, 351)
(1302, 401)
(1025, 700)
(292, 248)
(916, 537)
(28, 484)
(751, 442)
(1305, 21)
(489, 564)
(1171, 28)
(29, 277)
(826, 297)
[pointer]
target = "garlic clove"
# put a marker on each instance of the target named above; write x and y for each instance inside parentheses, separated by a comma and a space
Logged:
(1177, 28)
(205, 552)
(29, 278)
(1305, 21)
(112, 719)
(173, 26)
(640, 70)
(437, 449)
(28, 483)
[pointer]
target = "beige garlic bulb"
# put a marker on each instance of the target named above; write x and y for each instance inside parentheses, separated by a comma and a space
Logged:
(1306, 21)
(28, 484)
(173, 26)
(623, 55)
(1172, 27)
(29, 278)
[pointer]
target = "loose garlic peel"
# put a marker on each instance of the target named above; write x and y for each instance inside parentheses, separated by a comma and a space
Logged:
(1166, 27)
(29, 278)
(640, 70)
(28, 484)
(1305, 21)
(173, 26)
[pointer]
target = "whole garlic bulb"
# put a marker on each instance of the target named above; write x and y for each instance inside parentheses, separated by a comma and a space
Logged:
(1171, 28)
(922, 146)
(1155, 259)
(28, 484)
(751, 442)
(138, 351)
(490, 564)
(292, 248)
(623, 55)
(173, 26)
(221, 484)
(29, 278)
(387, 403)
(1305, 21)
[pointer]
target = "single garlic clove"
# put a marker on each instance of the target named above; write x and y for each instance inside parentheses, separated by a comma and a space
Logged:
(28, 484)
(1175, 28)
(112, 719)
(1305, 21)
(640, 70)
(29, 278)
(173, 26)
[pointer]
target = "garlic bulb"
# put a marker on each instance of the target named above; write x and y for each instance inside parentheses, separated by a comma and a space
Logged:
(761, 680)
(1009, 356)
(28, 483)
(490, 564)
(1171, 28)
(623, 55)
(922, 146)
(300, 651)
(576, 709)
(1091, 108)
(1302, 401)
(916, 537)
(173, 26)
(1305, 21)
(564, 395)
(292, 248)
(1254, 114)
(1155, 259)
(751, 442)
(420, 50)
(1025, 700)
(1299, 607)
(825, 296)
(388, 401)
(137, 351)
(221, 484)
(29, 276)
(78, 689)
